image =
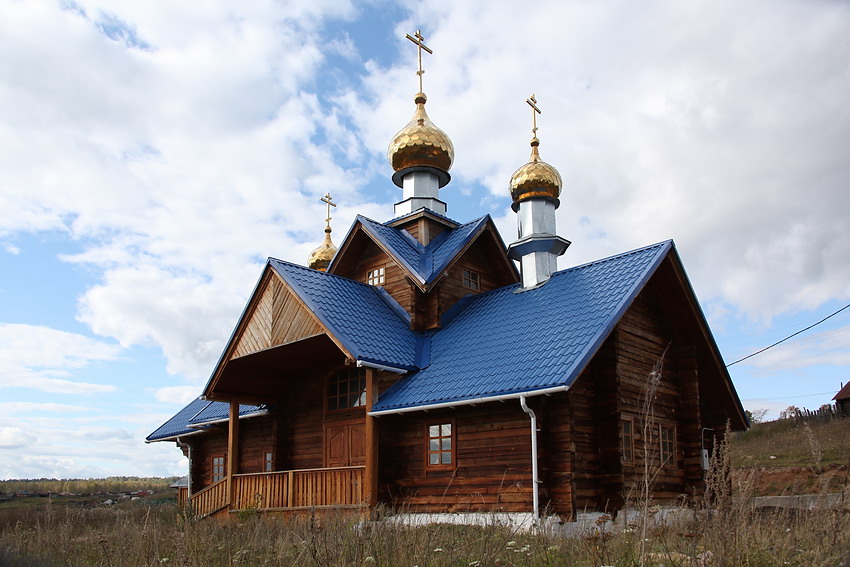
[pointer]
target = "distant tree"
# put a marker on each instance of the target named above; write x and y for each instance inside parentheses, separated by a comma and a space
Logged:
(756, 415)
(790, 412)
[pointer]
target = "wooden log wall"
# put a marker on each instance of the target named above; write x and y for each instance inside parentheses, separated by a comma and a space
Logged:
(205, 446)
(641, 342)
(493, 461)
(256, 438)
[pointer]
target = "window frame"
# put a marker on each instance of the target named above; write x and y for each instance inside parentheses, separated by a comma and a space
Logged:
(452, 451)
(218, 470)
(667, 457)
(630, 458)
(377, 276)
(268, 461)
(471, 280)
(351, 374)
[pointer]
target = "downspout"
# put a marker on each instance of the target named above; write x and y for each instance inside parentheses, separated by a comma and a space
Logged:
(534, 479)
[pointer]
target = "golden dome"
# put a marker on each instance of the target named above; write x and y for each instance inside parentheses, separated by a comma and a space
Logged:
(321, 257)
(420, 143)
(535, 179)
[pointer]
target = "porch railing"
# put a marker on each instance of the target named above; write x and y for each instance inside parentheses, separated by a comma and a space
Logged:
(304, 488)
(211, 499)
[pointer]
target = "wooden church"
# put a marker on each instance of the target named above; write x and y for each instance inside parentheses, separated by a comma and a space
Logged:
(427, 368)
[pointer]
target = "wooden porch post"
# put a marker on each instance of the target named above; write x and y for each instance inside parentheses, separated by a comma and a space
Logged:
(371, 472)
(232, 448)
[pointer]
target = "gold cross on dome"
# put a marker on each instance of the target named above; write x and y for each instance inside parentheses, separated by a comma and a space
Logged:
(330, 203)
(419, 40)
(532, 102)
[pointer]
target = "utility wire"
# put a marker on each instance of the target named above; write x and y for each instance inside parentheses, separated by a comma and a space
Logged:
(788, 337)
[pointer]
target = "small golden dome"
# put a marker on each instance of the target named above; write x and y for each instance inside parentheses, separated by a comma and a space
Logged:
(321, 257)
(535, 179)
(420, 143)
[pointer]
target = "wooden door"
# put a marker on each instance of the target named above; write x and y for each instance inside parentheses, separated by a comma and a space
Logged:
(345, 444)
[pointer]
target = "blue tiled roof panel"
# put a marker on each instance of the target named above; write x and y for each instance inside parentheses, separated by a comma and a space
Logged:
(399, 242)
(436, 214)
(445, 250)
(178, 425)
(503, 342)
(198, 412)
(217, 411)
(360, 316)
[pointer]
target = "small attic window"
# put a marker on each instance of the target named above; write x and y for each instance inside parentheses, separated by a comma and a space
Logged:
(376, 276)
(470, 280)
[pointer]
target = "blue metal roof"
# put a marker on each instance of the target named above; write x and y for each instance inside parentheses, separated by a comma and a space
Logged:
(423, 262)
(192, 418)
(448, 245)
(220, 411)
(510, 341)
(369, 323)
(419, 210)
(178, 425)
(399, 243)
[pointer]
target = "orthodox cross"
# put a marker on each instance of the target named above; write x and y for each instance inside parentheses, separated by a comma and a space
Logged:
(532, 102)
(419, 39)
(330, 203)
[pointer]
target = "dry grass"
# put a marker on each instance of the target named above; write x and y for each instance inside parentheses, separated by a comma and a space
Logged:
(727, 531)
(792, 442)
(723, 529)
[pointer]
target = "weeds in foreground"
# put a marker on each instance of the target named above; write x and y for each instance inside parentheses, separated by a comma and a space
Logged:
(727, 531)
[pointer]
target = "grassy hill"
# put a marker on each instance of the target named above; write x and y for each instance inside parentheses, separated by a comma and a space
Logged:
(792, 456)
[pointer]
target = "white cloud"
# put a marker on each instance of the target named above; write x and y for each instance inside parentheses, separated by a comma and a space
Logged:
(46, 359)
(723, 127)
(180, 395)
(15, 437)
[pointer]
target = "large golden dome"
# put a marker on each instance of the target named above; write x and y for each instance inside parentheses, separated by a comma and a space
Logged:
(535, 179)
(321, 257)
(421, 143)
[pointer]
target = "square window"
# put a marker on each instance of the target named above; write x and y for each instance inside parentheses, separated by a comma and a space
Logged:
(376, 276)
(347, 389)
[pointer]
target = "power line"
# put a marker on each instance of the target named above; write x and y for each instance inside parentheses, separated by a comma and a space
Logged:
(788, 337)
(792, 397)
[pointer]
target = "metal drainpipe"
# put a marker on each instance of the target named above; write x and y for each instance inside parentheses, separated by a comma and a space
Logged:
(534, 480)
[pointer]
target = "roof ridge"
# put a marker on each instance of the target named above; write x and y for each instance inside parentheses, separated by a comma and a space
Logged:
(617, 256)
(436, 214)
(318, 272)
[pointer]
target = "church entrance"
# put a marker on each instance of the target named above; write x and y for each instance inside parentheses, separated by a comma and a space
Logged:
(345, 444)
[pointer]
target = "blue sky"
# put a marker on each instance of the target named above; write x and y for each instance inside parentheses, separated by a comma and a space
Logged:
(153, 155)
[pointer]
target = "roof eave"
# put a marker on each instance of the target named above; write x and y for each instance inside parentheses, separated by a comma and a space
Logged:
(472, 401)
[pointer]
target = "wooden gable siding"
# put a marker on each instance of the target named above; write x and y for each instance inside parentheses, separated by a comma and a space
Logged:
(493, 461)
(277, 318)
(423, 229)
(642, 341)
